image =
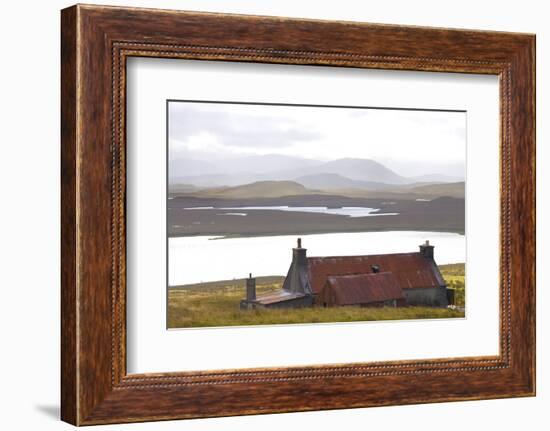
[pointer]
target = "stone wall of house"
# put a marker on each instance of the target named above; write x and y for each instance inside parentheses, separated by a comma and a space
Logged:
(426, 296)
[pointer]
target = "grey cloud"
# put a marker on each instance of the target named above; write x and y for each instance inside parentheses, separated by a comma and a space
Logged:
(233, 128)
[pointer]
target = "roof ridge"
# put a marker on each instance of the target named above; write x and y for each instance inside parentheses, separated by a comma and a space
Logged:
(359, 274)
(364, 255)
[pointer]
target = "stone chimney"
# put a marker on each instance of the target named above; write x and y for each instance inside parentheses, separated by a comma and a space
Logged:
(427, 250)
(250, 288)
(299, 256)
(297, 280)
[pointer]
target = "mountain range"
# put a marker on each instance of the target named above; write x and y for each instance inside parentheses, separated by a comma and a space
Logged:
(336, 174)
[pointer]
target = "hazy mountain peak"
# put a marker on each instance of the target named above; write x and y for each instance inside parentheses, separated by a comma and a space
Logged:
(363, 170)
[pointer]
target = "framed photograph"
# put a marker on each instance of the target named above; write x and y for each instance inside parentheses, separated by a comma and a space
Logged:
(244, 179)
(320, 214)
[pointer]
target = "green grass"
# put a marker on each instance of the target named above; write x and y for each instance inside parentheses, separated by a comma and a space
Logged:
(217, 304)
(454, 277)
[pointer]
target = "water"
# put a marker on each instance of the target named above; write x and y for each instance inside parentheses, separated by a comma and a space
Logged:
(203, 258)
(345, 211)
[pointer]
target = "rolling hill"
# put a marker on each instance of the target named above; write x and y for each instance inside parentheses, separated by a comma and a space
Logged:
(454, 190)
(437, 178)
(317, 186)
(265, 189)
(328, 181)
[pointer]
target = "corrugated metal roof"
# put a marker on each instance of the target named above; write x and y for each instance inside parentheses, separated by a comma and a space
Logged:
(411, 270)
(363, 288)
(277, 296)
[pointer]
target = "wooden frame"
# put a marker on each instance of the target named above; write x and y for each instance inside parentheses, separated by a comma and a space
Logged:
(96, 41)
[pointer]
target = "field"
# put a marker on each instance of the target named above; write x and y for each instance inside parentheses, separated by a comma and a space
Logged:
(217, 304)
(454, 277)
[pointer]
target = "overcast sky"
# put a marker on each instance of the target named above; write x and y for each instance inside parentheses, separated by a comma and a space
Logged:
(213, 131)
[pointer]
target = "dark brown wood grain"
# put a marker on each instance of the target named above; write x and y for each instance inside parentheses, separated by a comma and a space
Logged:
(68, 217)
(96, 41)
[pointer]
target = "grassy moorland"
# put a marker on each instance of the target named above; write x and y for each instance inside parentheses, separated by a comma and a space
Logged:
(454, 275)
(217, 304)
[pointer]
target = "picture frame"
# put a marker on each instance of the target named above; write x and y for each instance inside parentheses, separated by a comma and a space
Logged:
(96, 42)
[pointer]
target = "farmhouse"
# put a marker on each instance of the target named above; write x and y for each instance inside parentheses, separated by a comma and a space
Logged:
(396, 279)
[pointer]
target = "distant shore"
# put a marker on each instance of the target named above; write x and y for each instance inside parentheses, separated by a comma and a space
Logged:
(257, 235)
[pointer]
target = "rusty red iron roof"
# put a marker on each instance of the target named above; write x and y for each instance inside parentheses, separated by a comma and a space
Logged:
(411, 270)
(363, 288)
(277, 296)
